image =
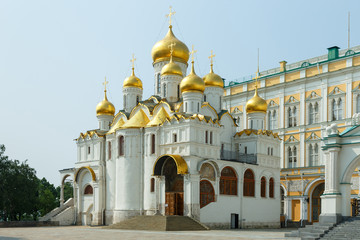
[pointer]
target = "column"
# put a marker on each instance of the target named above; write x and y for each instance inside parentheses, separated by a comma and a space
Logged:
(191, 196)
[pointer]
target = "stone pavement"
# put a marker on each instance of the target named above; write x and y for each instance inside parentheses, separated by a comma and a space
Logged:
(89, 233)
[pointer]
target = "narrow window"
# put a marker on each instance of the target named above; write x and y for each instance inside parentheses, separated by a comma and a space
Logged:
(198, 107)
(294, 117)
(137, 100)
(271, 188)
(121, 146)
(152, 143)
(211, 137)
(158, 83)
(186, 107)
(164, 89)
(311, 114)
(316, 112)
(178, 91)
(272, 151)
(245, 150)
(152, 185)
(249, 183)
(88, 150)
(88, 190)
(109, 150)
(174, 137)
(340, 109)
(124, 101)
(263, 187)
(204, 98)
(206, 137)
(290, 157)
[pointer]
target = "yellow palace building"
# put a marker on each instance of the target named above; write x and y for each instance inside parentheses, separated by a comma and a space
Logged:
(304, 98)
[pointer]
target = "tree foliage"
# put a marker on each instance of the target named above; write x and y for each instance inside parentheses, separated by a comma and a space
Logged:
(22, 195)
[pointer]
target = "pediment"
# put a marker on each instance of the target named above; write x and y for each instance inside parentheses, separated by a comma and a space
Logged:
(336, 91)
(292, 139)
(237, 111)
(313, 96)
(313, 137)
(272, 103)
(292, 100)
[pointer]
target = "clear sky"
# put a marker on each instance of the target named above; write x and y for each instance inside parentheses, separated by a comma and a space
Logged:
(54, 56)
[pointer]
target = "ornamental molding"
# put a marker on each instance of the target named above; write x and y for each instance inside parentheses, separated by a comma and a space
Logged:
(313, 96)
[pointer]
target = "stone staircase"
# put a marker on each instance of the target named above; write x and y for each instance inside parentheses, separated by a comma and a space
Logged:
(160, 223)
(310, 232)
(349, 229)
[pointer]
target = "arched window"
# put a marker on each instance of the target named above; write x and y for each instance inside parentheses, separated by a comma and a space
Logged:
(174, 137)
(207, 193)
(292, 114)
(313, 155)
(152, 143)
(311, 114)
(228, 182)
(164, 89)
(152, 185)
(263, 187)
(211, 137)
(271, 188)
(121, 146)
(109, 150)
(88, 190)
(249, 183)
(337, 109)
(206, 136)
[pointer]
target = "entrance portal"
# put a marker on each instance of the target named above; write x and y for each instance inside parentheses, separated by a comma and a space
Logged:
(316, 202)
(174, 189)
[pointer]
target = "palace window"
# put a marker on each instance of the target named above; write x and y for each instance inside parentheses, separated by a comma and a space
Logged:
(337, 109)
(207, 193)
(272, 120)
(121, 146)
(249, 183)
(313, 113)
(313, 155)
(109, 150)
(228, 181)
(88, 190)
(263, 187)
(292, 117)
(152, 185)
(271, 188)
(292, 157)
(152, 143)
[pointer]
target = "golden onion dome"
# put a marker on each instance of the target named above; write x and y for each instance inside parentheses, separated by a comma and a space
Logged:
(133, 81)
(105, 107)
(171, 68)
(212, 79)
(192, 82)
(161, 52)
(256, 104)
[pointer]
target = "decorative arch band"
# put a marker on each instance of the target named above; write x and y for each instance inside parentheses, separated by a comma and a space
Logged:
(93, 175)
(181, 165)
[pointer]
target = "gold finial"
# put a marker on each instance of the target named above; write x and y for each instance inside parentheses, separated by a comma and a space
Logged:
(105, 83)
(170, 14)
(211, 60)
(133, 64)
(193, 51)
(171, 46)
(257, 75)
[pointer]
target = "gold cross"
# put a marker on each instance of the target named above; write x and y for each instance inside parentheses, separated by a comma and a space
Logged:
(211, 57)
(104, 83)
(171, 46)
(133, 60)
(193, 51)
(170, 14)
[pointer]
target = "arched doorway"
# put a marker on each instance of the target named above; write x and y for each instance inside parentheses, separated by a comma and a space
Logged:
(316, 202)
(172, 167)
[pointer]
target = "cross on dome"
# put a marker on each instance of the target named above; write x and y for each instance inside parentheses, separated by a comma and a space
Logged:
(193, 51)
(133, 61)
(105, 83)
(170, 14)
(211, 57)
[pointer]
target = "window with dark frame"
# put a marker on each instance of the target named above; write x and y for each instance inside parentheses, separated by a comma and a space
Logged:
(228, 181)
(152, 185)
(249, 183)
(207, 193)
(109, 150)
(152, 143)
(88, 190)
(271, 188)
(263, 187)
(121, 146)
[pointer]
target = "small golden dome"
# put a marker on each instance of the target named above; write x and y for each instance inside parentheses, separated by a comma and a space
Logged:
(212, 79)
(105, 107)
(161, 52)
(192, 82)
(171, 69)
(256, 104)
(132, 81)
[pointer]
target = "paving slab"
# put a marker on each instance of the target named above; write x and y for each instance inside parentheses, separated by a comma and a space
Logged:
(96, 233)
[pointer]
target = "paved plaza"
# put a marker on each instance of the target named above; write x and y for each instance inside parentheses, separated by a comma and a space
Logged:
(89, 233)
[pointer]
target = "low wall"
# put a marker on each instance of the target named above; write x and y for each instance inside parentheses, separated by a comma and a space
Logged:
(28, 224)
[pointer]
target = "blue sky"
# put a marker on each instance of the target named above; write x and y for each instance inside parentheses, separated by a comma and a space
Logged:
(54, 56)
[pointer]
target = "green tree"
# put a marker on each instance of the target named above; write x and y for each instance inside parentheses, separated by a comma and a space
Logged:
(48, 197)
(68, 191)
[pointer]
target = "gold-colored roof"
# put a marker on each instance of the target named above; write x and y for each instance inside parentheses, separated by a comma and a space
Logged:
(139, 120)
(161, 52)
(105, 107)
(248, 132)
(159, 118)
(171, 68)
(132, 81)
(116, 126)
(256, 104)
(192, 82)
(181, 164)
(212, 79)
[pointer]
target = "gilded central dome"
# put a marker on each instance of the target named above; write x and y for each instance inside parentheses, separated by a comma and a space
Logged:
(161, 51)
(213, 80)
(105, 107)
(132, 81)
(192, 82)
(256, 104)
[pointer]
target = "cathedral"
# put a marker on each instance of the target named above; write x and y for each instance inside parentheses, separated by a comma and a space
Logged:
(178, 152)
